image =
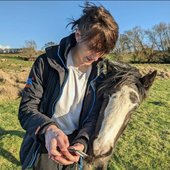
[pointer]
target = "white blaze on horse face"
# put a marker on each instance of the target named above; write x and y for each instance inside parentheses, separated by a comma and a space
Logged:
(118, 107)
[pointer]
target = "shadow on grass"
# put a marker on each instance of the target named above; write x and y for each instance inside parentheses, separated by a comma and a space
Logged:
(8, 155)
(158, 103)
(3, 152)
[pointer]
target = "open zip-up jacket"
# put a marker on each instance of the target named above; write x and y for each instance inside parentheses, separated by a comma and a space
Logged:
(42, 91)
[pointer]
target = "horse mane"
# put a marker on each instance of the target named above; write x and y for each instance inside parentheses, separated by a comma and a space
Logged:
(117, 74)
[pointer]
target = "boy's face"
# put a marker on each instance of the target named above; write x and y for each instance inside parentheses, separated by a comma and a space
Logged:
(85, 56)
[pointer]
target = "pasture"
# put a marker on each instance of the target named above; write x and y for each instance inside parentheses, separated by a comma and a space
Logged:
(145, 144)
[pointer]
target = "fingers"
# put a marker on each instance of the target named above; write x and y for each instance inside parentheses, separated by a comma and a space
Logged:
(62, 142)
(78, 146)
(66, 141)
(53, 148)
(70, 157)
(55, 137)
(62, 160)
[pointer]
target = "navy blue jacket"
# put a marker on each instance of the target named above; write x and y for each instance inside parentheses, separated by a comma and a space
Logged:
(43, 89)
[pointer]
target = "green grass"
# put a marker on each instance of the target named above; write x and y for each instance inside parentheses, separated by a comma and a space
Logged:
(145, 144)
(10, 136)
(13, 63)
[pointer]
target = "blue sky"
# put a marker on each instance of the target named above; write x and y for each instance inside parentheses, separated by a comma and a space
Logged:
(45, 21)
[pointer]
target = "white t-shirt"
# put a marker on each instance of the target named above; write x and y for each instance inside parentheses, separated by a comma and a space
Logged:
(68, 108)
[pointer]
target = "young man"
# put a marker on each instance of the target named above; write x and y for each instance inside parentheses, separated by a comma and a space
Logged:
(57, 106)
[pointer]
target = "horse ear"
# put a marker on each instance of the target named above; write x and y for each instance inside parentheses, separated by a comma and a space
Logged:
(148, 80)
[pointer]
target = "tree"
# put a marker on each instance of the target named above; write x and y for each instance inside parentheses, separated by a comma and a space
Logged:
(29, 51)
(31, 44)
(152, 45)
(162, 32)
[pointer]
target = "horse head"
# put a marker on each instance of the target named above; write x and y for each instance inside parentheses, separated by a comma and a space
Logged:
(122, 89)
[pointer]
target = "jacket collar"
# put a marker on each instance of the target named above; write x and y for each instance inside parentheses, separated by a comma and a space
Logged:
(57, 55)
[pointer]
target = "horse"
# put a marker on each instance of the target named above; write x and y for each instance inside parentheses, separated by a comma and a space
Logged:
(123, 89)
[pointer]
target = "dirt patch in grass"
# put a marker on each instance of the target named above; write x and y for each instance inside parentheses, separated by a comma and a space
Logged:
(12, 83)
(163, 71)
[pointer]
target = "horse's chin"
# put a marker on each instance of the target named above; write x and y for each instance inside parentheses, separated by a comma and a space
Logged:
(100, 150)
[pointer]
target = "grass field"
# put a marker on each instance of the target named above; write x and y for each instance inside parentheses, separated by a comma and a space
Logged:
(145, 144)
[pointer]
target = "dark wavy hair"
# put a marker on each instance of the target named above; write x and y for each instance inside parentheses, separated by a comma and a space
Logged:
(98, 28)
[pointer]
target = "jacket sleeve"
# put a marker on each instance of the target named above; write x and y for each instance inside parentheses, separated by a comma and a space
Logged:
(31, 119)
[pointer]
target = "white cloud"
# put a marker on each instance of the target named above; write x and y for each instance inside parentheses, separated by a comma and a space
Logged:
(4, 46)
